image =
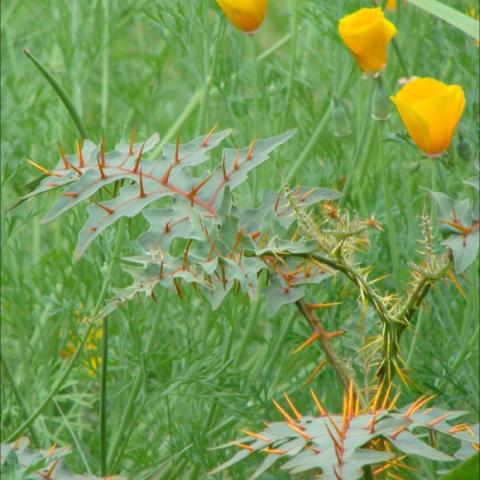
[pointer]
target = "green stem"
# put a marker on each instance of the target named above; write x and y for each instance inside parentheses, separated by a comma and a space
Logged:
(73, 360)
(105, 63)
(208, 81)
(401, 58)
(103, 399)
(189, 108)
(61, 93)
(364, 138)
(128, 409)
(293, 62)
(252, 320)
(18, 396)
(387, 193)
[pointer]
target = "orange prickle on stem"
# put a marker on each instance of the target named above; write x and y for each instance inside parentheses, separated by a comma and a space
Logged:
(246, 15)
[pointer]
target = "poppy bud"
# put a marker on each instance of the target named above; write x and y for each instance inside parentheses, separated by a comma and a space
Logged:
(380, 102)
(246, 15)
(340, 121)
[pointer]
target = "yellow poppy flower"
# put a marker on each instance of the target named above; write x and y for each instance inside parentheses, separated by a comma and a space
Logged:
(430, 111)
(391, 4)
(246, 15)
(367, 34)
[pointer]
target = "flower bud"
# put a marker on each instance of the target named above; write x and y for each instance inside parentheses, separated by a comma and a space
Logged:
(380, 102)
(340, 121)
(464, 149)
(246, 15)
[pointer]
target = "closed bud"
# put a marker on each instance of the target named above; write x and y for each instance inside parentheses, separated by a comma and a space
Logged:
(464, 149)
(380, 102)
(340, 121)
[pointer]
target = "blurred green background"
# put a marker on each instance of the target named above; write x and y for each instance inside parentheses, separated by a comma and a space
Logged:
(136, 65)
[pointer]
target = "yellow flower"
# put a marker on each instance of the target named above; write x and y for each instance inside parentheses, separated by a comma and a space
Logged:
(430, 111)
(247, 15)
(367, 33)
(391, 4)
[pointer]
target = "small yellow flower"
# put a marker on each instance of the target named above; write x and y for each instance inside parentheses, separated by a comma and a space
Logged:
(246, 15)
(430, 111)
(367, 34)
(391, 4)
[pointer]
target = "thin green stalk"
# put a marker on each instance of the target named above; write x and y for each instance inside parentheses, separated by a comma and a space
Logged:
(189, 108)
(364, 138)
(387, 193)
(304, 155)
(293, 62)
(103, 399)
(18, 396)
(401, 58)
(208, 81)
(128, 409)
(73, 360)
(78, 446)
(60, 92)
(252, 320)
(105, 63)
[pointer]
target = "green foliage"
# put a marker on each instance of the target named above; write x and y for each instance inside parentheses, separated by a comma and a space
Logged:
(468, 469)
(460, 221)
(450, 15)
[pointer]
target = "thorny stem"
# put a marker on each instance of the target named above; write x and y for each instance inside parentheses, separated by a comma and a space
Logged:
(330, 353)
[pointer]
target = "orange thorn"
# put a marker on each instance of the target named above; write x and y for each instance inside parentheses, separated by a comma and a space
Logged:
(110, 211)
(69, 194)
(138, 159)
(195, 190)
(307, 194)
(102, 152)
(177, 152)
(386, 397)
(438, 420)
(283, 412)
(454, 280)
(245, 447)
(274, 451)
(209, 134)
(133, 136)
(423, 400)
(140, 185)
(250, 149)
(330, 335)
(224, 170)
(166, 176)
(292, 406)
(81, 162)
(297, 429)
(100, 169)
(317, 306)
(73, 167)
(256, 435)
(43, 169)
(321, 410)
(62, 154)
(236, 161)
(397, 432)
(308, 341)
